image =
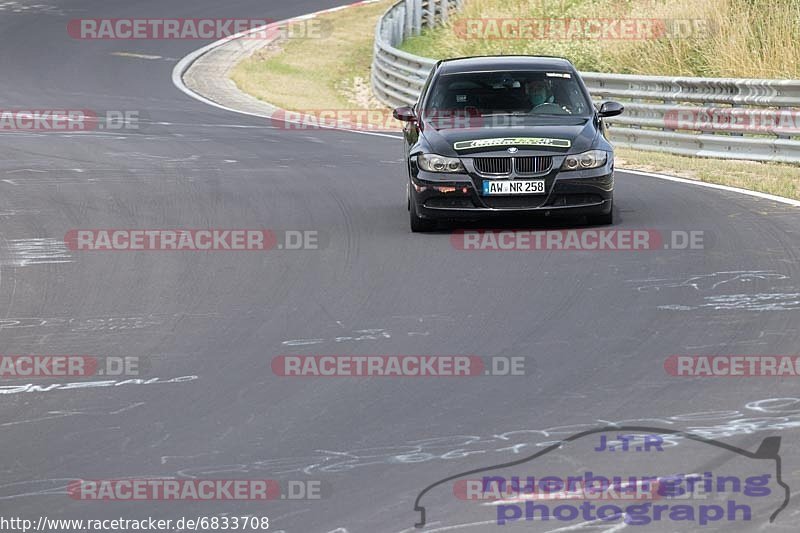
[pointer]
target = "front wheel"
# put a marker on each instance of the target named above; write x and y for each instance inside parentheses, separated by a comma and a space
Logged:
(418, 224)
(602, 220)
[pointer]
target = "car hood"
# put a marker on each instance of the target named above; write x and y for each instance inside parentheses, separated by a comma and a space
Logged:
(544, 136)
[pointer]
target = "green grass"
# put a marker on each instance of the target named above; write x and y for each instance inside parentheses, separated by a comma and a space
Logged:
(733, 38)
(770, 178)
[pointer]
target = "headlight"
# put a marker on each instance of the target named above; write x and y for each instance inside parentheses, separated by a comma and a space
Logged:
(590, 159)
(439, 163)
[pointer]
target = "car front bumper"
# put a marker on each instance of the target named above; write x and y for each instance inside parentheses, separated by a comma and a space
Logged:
(575, 193)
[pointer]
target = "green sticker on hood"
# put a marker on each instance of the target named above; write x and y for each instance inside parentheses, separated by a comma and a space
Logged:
(513, 141)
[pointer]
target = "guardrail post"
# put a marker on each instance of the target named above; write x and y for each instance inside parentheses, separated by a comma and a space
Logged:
(667, 102)
(734, 134)
(408, 19)
(430, 13)
(417, 29)
(789, 112)
(397, 30)
(445, 10)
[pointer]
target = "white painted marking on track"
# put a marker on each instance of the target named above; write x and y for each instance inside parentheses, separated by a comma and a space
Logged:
(135, 55)
(593, 523)
(26, 170)
(25, 8)
(451, 528)
(303, 342)
(744, 302)
(362, 335)
(128, 408)
(25, 252)
(709, 281)
(83, 385)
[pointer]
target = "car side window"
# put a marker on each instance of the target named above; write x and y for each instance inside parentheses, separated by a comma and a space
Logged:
(424, 92)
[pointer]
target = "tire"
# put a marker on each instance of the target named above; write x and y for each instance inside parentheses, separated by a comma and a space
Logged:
(602, 220)
(418, 224)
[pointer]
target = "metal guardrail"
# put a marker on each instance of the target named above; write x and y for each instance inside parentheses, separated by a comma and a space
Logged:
(748, 119)
(397, 76)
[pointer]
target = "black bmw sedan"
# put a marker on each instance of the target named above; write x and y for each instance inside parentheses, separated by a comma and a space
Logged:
(507, 134)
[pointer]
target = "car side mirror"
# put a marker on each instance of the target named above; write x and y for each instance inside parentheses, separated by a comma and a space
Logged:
(404, 114)
(611, 109)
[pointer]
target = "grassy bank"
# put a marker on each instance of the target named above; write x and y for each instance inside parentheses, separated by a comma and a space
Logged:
(771, 178)
(710, 38)
(326, 72)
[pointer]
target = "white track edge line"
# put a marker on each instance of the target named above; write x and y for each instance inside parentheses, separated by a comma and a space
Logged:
(185, 62)
(728, 188)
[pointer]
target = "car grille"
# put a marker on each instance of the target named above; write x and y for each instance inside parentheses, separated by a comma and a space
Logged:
(501, 166)
(493, 165)
(533, 164)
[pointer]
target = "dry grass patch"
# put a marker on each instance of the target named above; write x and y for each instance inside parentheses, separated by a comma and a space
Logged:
(330, 72)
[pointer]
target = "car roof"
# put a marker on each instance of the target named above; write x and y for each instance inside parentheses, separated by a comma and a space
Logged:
(491, 63)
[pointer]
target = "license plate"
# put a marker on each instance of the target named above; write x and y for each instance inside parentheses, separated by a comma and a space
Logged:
(491, 187)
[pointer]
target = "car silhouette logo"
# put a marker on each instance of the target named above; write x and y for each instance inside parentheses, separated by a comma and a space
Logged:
(768, 450)
(513, 150)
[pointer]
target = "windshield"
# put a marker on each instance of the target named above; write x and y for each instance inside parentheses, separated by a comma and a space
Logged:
(503, 93)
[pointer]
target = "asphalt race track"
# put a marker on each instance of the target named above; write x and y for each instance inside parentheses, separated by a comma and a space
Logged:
(594, 327)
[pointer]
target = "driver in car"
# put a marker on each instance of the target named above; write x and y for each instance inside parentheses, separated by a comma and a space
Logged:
(539, 93)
